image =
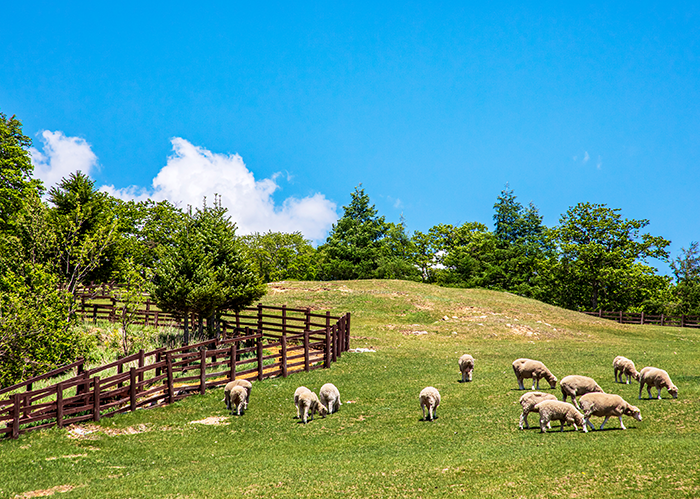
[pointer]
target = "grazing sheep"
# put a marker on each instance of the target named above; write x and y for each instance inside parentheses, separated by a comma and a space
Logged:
(574, 385)
(238, 382)
(308, 403)
(297, 394)
(606, 405)
(622, 365)
(659, 378)
(553, 410)
(528, 402)
(528, 368)
(330, 397)
(466, 366)
(430, 398)
(237, 399)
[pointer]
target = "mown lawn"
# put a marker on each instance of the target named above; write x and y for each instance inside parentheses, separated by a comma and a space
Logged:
(377, 445)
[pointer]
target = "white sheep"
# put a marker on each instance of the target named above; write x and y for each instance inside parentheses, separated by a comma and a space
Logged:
(528, 368)
(574, 385)
(466, 366)
(528, 402)
(659, 378)
(238, 382)
(330, 397)
(297, 394)
(606, 405)
(237, 399)
(553, 410)
(622, 365)
(308, 403)
(429, 397)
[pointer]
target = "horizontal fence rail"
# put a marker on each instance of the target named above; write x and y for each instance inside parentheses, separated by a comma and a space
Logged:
(653, 319)
(274, 341)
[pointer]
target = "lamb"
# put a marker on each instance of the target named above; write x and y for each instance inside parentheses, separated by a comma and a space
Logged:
(330, 397)
(308, 402)
(606, 405)
(238, 382)
(622, 365)
(297, 394)
(237, 399)
(659, 378)
(553, 410)
(429, 397)
(574, 385)
(466, 366)
(528, 402)
(528, 368)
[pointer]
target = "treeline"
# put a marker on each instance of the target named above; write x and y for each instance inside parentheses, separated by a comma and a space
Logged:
(194, 264)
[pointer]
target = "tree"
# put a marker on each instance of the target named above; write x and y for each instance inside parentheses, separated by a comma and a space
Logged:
(279, 256)
(86, 231)
(686, 269)
(205, 272)
(601, 261)
(15, 169)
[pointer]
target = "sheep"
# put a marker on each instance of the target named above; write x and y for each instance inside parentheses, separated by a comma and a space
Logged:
(622, 365)
(237, 399)
(659, 378)
(606, 405)
(297, 394)
(553, 410)
(239, 382)
(330, 397)
(308, 402)
(528, 368)
(528, 402)
(466, 366)
(574, 385)
(429, 397)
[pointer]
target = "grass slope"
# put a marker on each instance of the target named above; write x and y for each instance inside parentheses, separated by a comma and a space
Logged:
(377, 446)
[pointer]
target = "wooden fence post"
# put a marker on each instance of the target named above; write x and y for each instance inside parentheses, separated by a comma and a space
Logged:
(59, 405)
(260, 357)
(169, 368)
(306, 350)
(94, 314)
(347, 332)
(81, 369)
(662, 319)
(307, 322)
(159, 359)
(329, 347)
(202, 371)
(333, 344)
(142, 362)
(620, 319)
(284, 356)
(260, 317)
(132, 389)
(641, 321)
(15, 415)
(683, 320)
(96, 399)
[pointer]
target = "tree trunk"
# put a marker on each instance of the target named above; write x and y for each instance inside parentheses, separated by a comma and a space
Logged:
(186, 339)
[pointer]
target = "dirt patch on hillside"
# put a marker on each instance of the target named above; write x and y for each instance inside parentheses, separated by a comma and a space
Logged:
(46, 492)
(92, 432)
(213, 421)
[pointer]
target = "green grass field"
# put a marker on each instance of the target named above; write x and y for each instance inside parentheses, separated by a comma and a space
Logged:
(378, 445)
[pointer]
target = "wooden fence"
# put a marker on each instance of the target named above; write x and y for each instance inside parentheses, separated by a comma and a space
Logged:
(644, 318)
(274, 342)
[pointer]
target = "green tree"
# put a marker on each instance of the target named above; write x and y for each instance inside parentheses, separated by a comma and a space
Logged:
(686, 269)
(206, 271)
(602, 260)
(279, 256)
(86, 231)
(362, 245)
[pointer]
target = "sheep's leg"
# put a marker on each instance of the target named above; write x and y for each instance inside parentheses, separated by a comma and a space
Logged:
(523, 420)
(621, 424)
(587, 421)
(658, 393)
(604, 421)
(422, 406)
(537, 381)
(649, 391)
(306, 414)
(544, 425)
(576, 402)
(561, 428)
(469, 378)
(628, 378)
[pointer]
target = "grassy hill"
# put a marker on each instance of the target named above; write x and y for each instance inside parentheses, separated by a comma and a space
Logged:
(377, 445)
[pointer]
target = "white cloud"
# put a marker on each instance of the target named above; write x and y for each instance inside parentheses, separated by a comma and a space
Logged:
(194, 172)
(599, 163)
(61, 156)
(586, 157)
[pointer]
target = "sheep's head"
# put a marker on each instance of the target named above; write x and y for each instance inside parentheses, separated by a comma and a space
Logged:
(322, 410)
(637, 375)
(633, 412)
(552, 379)
(673, 391)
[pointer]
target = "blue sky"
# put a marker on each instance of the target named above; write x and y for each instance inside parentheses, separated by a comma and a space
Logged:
(433, 108)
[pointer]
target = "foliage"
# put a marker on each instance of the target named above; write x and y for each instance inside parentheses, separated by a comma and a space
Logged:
(686, 269)
(86, 231)
(279, 256)
(15, 169)
(131, 295)
(601, 260)
(205, 272)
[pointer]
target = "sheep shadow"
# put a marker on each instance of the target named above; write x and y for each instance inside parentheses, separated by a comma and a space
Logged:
(426, 420)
